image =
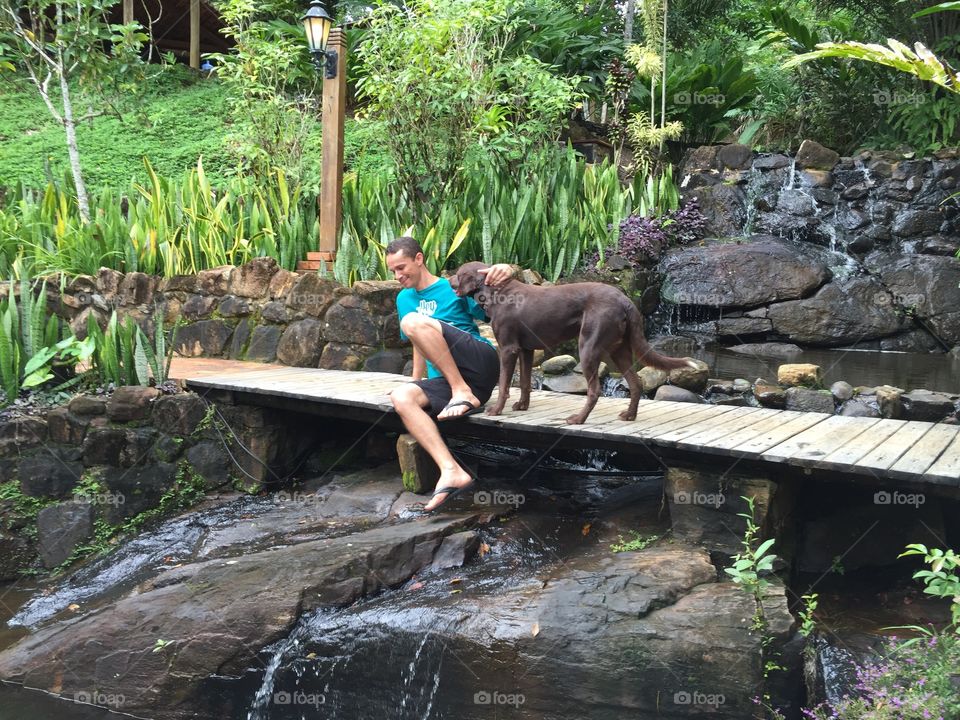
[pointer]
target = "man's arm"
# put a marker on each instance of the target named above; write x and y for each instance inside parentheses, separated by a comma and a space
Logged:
(497, 275)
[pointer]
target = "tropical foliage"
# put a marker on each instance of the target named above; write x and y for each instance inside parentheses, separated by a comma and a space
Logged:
(547, 220)
(169, 227)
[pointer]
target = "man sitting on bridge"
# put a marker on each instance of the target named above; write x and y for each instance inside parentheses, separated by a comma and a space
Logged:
(462, 367)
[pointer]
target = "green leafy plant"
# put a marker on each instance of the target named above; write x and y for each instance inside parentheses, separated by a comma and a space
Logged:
(638, 542)
(807, 622)
(272, 88)
(498, 218)
(28, 336)
(916, 677)
(437, 77)
(123, 354)
(752, 561)
(941, 580)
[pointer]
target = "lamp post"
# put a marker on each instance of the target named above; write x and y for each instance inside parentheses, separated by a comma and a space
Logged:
(317, 23)
(329, 49)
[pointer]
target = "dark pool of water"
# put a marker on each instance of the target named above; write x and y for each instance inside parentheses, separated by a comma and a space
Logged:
(857, 367)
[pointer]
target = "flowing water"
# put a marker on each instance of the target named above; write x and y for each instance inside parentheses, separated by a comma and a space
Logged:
(407, 652)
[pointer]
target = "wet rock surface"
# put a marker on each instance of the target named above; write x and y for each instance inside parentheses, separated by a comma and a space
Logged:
(482, 607)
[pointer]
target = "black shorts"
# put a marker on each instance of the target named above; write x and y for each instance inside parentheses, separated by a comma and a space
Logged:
(477, 361)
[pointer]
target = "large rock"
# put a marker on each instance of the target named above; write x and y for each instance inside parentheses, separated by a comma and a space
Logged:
(312, 295)
(671, 393)
(131, 402)
(254, 601)
(21, 433)
(215, 281)
(724, 206)
(136, 489)
(693, 379)
(210, 461)
(204, 338)
(48, 475)
(337, 356)
(60, 528)
(571, 382)
(263, 344)
(926, 285)
(841, 313)
(926, 405)
(725, 274)
(178, 414)
(558, 365)
(350, 322)
(802, 374)
(252, 280)
(806, 400)
(301, 343)
(65, 427)
(815, 156)
(198, 307)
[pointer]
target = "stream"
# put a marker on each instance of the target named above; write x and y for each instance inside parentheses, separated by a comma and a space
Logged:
(544, 622)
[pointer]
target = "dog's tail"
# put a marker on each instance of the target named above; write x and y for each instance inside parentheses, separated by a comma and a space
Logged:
(646, 354)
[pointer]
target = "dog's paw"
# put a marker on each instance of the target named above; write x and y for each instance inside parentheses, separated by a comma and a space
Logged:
(521, 405)
(627, 415)
(494, 411)
(575, 420)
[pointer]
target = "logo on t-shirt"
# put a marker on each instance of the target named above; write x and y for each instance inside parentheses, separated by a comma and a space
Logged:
(427, 307)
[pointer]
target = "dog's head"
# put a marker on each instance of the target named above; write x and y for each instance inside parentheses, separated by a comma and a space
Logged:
(468, 280)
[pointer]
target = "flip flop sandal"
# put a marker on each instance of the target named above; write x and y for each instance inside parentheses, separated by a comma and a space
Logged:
(471, 411)
(452, 492)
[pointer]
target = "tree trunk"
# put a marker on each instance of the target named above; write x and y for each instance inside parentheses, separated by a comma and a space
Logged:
(83, 202)
(628, 15)
(70, 127)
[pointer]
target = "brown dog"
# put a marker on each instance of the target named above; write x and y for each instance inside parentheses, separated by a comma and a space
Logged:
(528, 317)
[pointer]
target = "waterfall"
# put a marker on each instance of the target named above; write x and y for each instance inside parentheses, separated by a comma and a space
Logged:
(260, 707)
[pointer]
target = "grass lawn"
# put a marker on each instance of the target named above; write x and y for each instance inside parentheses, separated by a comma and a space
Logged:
(183, 118)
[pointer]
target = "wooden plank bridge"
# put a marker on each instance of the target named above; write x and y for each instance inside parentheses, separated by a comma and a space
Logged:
(904, 451)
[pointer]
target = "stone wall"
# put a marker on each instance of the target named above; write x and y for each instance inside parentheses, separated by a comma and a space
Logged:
(820, 250)
(256, 312)
(112, 458)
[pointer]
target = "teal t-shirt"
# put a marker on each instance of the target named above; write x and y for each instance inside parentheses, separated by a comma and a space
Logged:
(440, 302)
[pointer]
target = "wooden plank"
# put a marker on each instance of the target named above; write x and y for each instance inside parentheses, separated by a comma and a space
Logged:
(710, 413)
(924, 452)
(736, 417)
(764, 425)
(645, 411)
(652, 423)
(885, 455)
(795, 424)
(552, 409)
(702, 439)
(818, 441)
(849, 454)
(947, 467)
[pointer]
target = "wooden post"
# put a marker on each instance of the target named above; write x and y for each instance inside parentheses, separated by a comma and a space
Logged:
(127, 12)
(195, 34)
(331, 176)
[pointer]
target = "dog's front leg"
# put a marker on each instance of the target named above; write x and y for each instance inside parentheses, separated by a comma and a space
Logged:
(508, 361)
(526, 366)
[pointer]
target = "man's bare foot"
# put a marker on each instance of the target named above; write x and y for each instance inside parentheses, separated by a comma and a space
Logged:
(459, 406)
(453, 477)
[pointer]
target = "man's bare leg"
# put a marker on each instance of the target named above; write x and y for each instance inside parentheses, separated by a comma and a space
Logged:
(409, 401)
(427, 335)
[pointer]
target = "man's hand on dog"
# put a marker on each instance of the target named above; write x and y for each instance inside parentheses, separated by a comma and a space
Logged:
(497, 275)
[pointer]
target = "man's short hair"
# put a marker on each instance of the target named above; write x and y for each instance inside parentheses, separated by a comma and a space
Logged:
(407, 245)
